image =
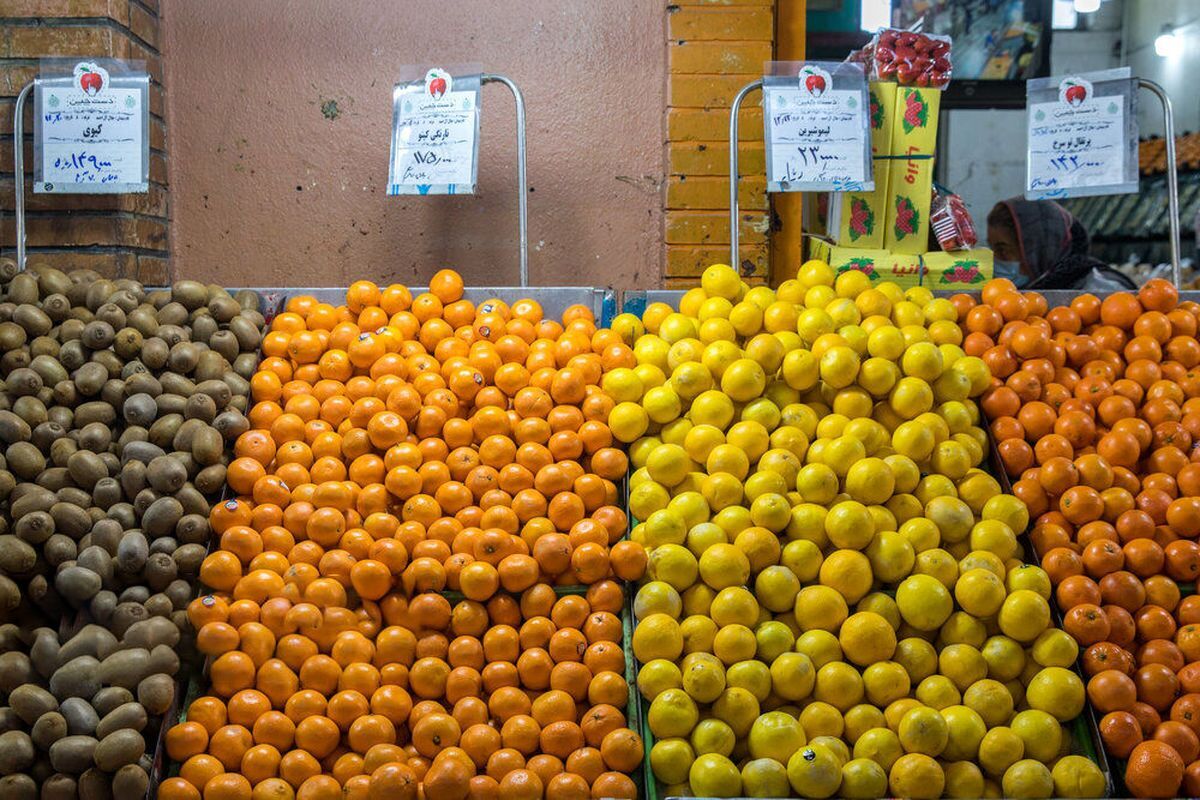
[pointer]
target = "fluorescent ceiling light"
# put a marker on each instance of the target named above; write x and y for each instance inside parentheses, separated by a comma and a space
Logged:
(1087, 6)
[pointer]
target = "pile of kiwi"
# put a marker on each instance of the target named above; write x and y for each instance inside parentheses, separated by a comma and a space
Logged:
(117, 404)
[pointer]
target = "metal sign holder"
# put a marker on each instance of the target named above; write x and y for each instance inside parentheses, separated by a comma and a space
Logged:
(1172, 173)
(734, 212)
(522, 178)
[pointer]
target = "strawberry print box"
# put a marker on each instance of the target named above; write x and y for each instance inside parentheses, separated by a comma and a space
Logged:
(959, 271)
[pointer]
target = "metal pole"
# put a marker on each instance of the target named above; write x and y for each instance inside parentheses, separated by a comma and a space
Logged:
(19, 170)
(1172, 173)
(734, 213)
(522, 178)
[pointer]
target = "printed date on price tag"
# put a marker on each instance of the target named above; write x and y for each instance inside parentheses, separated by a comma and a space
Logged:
(435, 132)
(815, 116)
(91, 130)
(1082, 135)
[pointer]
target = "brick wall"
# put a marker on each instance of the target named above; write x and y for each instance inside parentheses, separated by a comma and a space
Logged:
(118, 235)
(715, 47)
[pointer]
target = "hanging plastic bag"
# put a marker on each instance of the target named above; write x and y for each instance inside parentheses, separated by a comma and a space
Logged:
(911, 59)
(950, 221)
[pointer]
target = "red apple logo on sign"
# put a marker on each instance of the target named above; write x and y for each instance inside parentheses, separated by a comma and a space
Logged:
(91, 78)
(1073, 91)
(814, 80)
(437, 83)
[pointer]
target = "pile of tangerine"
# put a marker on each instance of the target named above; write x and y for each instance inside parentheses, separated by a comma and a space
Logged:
(401, 447)
(1095, 409)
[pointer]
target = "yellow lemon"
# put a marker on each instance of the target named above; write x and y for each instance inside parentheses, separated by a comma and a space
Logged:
(776, 735)
(867, 638)
(1027, 778)
(820, 607)
(962, 664)
(885, 682)
(838, 366)
(966, 729)
(1057, 691)
(848, 572)
(724, 565)
(656, 676)
(703, 677)
(734, 643)
(671, 760)
(1028, 576)
(952, 516)
(712, 736)
(990, 700)
(938, 564)
(924, 602)
(765, 777)
(814, 770)
(721, 490)
(979, 592)
(880, 745)
(657, 636)
(917, 776)
(963, 780)
(774, 638)
(923, 730)
(1006, 658)
(734, 605)
(746, 318)
(668, 464)
(862, 778)
(820, 646)
(922, 360)
(656, 597)
(917, 656)
(698, 632)
(938, 691)
(1000, 749)
(839, 685)
(718, 355)
(1055, 648)
(672, 714)
(713, 775)
(891, 555)
(1076, 776)
(628, 421)
(777, 587)
(1024, 615)
(851, 283)
(1041, 733)
(815, 272)
(720, 280)
(849, 525)
(672, 564)
(737, 708)
(862, 718)
(1007, 509)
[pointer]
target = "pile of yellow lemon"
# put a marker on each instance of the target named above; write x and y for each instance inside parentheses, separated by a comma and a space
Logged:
(835, 601)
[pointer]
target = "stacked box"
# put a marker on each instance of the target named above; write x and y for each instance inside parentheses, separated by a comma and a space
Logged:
(962, 270)
(910, 185)
(878, 265)
(860, 216)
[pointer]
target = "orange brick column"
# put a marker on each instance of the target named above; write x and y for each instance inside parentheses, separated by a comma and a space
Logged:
(715, 47)
(116, 235)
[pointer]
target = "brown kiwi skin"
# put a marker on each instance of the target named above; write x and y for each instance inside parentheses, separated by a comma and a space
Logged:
(118, 406)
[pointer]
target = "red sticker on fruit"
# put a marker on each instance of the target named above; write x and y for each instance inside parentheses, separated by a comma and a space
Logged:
(910, 59)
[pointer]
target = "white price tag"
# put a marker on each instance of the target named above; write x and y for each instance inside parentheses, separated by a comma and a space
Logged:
(817, 135)
(90, 133)
(435, 137)
(1078, 144)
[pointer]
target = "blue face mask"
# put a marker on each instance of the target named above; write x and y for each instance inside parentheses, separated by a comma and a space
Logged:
(1010, 270)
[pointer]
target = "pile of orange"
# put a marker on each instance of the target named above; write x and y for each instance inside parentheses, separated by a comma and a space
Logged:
(522, 697)
(1095, 410)
(402, 447)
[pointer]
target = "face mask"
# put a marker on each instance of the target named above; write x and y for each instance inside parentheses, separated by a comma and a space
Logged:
(1010, 270)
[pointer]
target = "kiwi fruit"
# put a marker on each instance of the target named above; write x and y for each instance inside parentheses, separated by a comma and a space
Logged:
(118, 410)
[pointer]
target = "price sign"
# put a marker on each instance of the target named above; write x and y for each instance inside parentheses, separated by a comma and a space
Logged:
(91, 130)
(1080, 133)
(817, 129)
(435, 135)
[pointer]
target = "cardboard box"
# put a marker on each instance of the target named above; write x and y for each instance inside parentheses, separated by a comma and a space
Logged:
(910, 185)
(860, 216)
(962, 270)
(878, 265)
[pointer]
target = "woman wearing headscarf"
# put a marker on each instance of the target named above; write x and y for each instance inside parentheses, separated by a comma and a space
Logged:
(1038, 244)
